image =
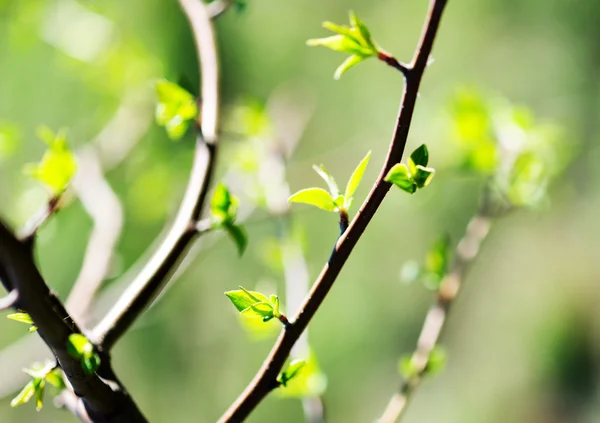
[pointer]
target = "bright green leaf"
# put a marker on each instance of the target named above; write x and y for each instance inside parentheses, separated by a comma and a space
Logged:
(323, 173)
(365, 34)
(58, 165)
(242, 298)
(79, 346)
(309, 382)
(21, 317)
(55, 378)
(90, 363)
(223, 208)
(25, 395)
(399, 176)
(176, 108)
(314, 196)
(356, 177)
(350, 62)
(274, 299)
(263, 310)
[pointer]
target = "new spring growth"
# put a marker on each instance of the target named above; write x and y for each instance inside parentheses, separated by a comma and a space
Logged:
(223, 208)
(332, 201)
(414, 176)
(355, 40)
(254, 304)
(176, 109)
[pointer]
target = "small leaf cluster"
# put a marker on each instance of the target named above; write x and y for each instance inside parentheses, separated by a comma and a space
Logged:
(23, 318)
(58, 165)
(40, 375)
(431, 273)
(176, 109)
(504, 143)
(255, 304)
(436, 362)
(333, 200)
(223, 208)
(81, 348)
(290, 372)
(414, 176)
(355, 40)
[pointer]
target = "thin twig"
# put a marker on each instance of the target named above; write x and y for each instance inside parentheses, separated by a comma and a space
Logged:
(154, 276)
(262, 383)
(436, 318)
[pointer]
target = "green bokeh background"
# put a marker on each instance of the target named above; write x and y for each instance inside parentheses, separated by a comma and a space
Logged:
(523, 338)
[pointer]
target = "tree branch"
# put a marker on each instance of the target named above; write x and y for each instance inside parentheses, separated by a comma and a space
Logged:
(18, 270)
(262, 384)
(154, 276)
(436, 318)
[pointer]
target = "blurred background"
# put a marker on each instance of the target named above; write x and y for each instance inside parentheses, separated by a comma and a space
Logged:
(523, 339)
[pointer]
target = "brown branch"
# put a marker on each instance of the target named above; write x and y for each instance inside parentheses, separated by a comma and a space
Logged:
(262, 384)
(155, 275)
(18, 270)
(436, 318)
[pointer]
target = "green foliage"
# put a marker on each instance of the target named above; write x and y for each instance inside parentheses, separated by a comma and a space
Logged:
(23, 318)
(332, 201)
(503, 142)
(309, 382)
(290, 372)
(414, 176)
(355, 40)
(223, 207)
(35, 388)
(81, 348)
(435, 267)
(254, 304)
(176, 108)
(58, 165)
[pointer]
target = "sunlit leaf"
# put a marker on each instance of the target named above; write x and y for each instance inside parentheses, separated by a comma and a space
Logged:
(242, 298)
(423, 176)
(291, 372)
(308, 382)
(239, 236)
(58, 165)
(329, 180)
(20, 317)
(79, 346)
(25, 395)
(437, 361)
(399, 176)
(356, 177)
(350, 62)
(418, 157)
(314, 196)
(176, 108)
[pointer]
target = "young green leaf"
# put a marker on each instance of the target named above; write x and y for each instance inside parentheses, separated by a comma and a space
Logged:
(264, 310)
(39, 387)
(274, 299)
(308, 382)
(20, 317)
(355, 40)
(176, 108)
(90, 363)
(314, 196)
(323, 173)
(407, 367)
(55, 378)
(243, 299)
(79, 346)
(25, 395)
(355, 179)
(399, 176)
(418, 157)
(290, 372)
(58, 165)
(239, 236)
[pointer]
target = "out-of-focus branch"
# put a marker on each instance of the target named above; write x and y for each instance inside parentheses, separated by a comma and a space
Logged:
(436, 318)
(266, 377)
(18, 270)
(154, 276)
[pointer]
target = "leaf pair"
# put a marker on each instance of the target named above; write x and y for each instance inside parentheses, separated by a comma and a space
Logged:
(355, 40)
(414, 176)
(81, 348)
(175, 110)
(40, 375)
(332, 201)
(255, 304)
(223, 209)
(435, 267)
(58, 165)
